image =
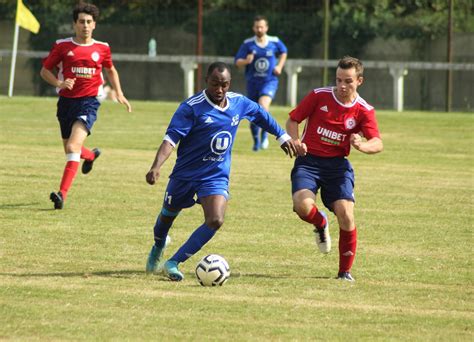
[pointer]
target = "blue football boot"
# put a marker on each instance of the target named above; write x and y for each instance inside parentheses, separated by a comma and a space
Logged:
(153, 261)
(171, 270)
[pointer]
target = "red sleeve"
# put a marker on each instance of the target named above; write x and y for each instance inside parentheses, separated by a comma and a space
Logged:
(53, 58)
(369, 125)
(107, 62)
(305, 108)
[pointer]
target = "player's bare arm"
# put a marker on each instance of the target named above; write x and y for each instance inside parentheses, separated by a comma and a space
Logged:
(115, 81)
(292, 129)
(249, 58)
(241, 62)
(281, 63)
(163, 153)
(49, 77)
(371, 146)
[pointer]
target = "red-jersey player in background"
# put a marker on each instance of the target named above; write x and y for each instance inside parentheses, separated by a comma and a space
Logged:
(334, 116)
(79, 62)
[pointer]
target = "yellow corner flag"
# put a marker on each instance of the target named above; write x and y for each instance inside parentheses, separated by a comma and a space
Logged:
(25, 18)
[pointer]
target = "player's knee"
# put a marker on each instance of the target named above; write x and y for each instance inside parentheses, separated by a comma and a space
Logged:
(72, 147)
(215, 222)
(167, 219)
(347, 223)
(168, 216)
(302, 209)
(345, 218)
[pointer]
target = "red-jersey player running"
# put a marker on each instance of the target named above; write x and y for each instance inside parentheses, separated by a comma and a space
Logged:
(79, 62)
(335, 118)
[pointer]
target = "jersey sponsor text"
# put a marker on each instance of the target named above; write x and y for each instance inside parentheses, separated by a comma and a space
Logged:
(83, 71)
(331, 136)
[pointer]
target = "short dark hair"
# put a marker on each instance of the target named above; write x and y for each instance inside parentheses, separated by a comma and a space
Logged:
(220, 66)
(260, 17)
(348, 62)
(84, 7)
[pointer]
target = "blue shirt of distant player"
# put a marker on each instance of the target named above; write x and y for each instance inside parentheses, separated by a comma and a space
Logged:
(206, 133)
(265, 58)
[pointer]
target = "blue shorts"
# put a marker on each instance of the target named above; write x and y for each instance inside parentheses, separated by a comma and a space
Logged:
(256, 89)
(70, 110)
(184, 194)
(334, 176)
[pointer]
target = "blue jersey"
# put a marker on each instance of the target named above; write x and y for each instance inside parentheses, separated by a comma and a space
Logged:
(265, 58)
(206, 133)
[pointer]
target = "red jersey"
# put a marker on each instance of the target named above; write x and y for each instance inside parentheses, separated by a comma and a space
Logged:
(83, 62)
(329, 123)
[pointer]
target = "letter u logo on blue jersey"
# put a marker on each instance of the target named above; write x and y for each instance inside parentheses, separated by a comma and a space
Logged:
(221, 142)
(262, 64)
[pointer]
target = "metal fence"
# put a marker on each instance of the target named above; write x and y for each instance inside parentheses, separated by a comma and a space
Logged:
(176, 75)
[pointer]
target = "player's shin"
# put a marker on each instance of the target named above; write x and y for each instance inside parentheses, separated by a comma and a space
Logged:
(315, 217)
(87, 154)
(162, 226)
(347, 249)
(69, 173)
(195, 242)
(255, 130)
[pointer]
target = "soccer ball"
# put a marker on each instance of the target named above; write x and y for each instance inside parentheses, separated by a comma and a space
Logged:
(212, 270)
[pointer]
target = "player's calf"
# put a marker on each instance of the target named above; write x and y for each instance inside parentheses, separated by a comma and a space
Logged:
(323, 239)
(87, 164)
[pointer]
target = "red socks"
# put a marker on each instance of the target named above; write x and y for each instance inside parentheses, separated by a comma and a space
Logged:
(87, 154)
(347, 240)
(315, 217)
(68, 176)
(347, 249)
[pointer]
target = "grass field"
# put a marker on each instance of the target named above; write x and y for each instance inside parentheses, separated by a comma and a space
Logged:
(78, 274)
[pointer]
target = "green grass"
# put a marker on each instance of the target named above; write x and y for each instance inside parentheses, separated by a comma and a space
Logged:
(79, 273)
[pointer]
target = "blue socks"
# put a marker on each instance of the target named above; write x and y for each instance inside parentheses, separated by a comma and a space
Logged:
(161, 230)
(255, 130)
(195, 242)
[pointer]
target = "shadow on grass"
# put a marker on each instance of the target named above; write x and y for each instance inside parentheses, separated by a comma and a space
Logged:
(19, 205)
(111, 274)
(137, 273)
(275, 276)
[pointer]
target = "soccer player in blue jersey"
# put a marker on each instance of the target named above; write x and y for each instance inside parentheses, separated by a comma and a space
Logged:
(204, 128)
(263, 57)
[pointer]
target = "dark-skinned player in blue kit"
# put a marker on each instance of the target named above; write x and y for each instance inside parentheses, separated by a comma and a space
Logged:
(203, 128)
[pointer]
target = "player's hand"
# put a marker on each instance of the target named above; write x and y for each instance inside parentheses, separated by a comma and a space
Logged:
(301, 148)
(123, 100)
(277, 70)
(68, 83)
(356, 141)
(152, 176)
(250, 58)
(289, 148)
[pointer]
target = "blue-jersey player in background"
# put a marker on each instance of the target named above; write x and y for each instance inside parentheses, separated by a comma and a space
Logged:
(204, 129)
(263, 57)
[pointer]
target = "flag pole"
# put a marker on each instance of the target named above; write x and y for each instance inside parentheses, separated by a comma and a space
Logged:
(13, 62)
